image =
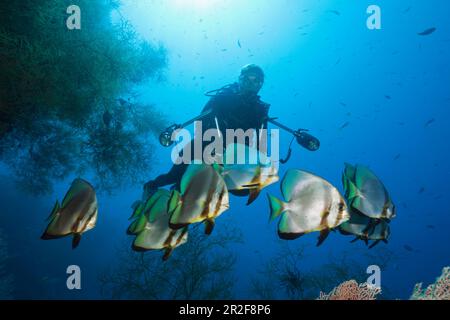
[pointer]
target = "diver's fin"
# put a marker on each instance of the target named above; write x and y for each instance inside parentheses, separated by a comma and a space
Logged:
(55, 210)
(209, 226)
(167, 253)
(323, 235)
(76, 240)
(374, 244)
(276, 207)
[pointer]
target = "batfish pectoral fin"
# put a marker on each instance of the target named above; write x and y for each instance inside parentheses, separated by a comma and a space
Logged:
(323, 235)
(209, 226)
(76, 240)
(254, 193)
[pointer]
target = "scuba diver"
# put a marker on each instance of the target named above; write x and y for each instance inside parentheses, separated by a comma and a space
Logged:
(234, 106)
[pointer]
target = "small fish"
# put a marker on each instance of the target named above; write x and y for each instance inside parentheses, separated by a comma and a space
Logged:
(408, 248)
(313, 204)
(427, 32)
(421, 190)
(397, 157)
(407, 9)
(430, 226)
(239, 43)
(203, 196)
(387, 97)
(429, 122)
(344, 125)
(337, 62)
(122, 101)
(76, 215)
(343, 104)
(334, 12)
(223, 50)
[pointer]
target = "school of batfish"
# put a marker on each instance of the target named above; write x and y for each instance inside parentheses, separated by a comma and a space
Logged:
(308, 203)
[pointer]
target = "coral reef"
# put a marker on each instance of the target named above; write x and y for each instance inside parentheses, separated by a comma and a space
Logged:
(286, 276)
(440, 290)
(351, 290)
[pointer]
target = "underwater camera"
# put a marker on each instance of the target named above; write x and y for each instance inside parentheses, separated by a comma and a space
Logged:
(165, 138)
(307, 141)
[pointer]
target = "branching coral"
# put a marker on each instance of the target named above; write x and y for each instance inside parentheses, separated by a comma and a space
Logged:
(440, 290)
(351, 290)
(55, 85)
(200, 269)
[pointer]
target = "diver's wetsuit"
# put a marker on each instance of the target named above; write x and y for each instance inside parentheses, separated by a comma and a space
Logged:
(232, 111)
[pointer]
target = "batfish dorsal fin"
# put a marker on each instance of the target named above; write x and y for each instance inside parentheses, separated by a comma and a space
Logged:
(289, 181)
(77, 186)
(174, 201)
(190, 172)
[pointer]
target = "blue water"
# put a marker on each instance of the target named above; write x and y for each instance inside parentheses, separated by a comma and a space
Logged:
(322, 70)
